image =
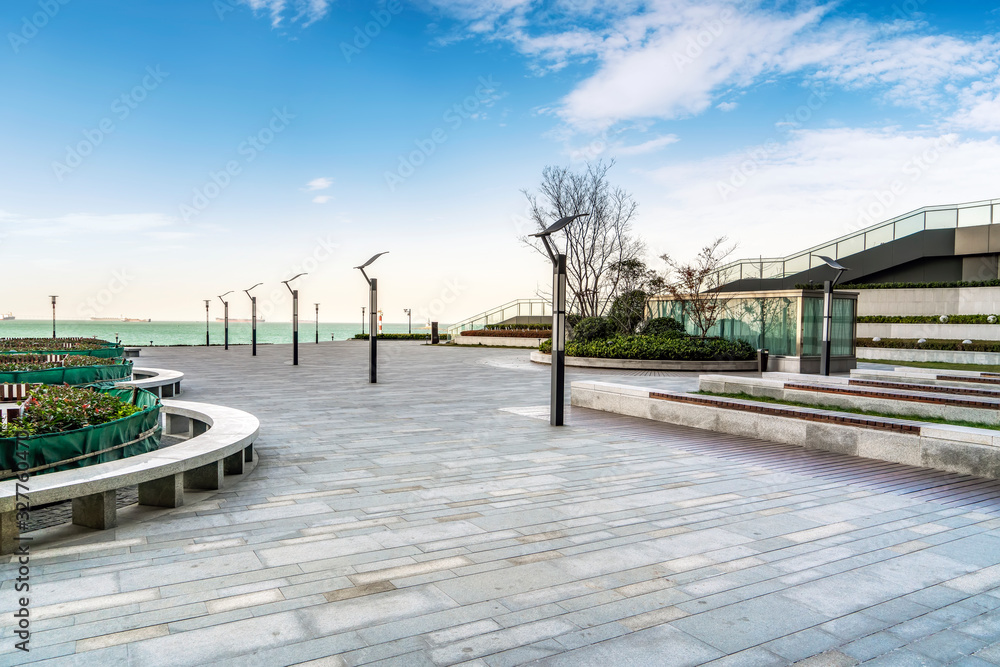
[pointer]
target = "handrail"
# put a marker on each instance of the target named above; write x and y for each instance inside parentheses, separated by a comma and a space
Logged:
(466, 324)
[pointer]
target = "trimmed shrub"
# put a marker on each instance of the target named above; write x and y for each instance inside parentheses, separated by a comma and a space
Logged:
(627, 311)
(593, 328)
(662, 326)
(517, 327)
(685, 348)
(923, 319)
(509, 333)
(931, 344)
(401, 336)
(957, 283)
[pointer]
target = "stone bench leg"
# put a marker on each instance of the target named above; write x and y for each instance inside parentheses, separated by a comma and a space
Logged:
(9, 533)
(197, 428)
(248, 453)
(164, 492)
(207, 477)
(233, 464)
(96, 511)
(176, 424)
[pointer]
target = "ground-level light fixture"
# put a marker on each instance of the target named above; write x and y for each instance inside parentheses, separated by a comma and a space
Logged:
(295, 318)
(53, 297)
(824, 359)
(226, 317)
(558, 388)
(253, 318)
(373, 324)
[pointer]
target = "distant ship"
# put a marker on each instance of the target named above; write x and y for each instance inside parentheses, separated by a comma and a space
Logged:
(118, 319)
(239, 321)
(8, 316)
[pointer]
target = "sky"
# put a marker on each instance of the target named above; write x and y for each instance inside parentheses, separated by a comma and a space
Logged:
(159, 153)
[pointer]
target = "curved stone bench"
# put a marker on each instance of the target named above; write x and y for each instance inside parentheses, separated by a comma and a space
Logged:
(219, 442)
(649, 364)
(160, 381)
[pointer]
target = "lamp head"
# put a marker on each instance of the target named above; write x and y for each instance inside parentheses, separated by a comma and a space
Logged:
(374, 257)
(831, 263)
(559, 224)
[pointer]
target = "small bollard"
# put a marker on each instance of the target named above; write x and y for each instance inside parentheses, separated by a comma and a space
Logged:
(762, 356)
(435, 338)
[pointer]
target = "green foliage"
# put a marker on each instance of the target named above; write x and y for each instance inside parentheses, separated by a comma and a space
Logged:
(662, 326)
(958, 283)
(401, 336)
(17, 363)
(931, 344)
(593, 328)
(55, 409)
(923, 319)
(509, 333)
(684, 348)
(628, 311)
(572, 319)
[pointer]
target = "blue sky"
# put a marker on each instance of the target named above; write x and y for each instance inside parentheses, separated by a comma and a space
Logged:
(159, 153)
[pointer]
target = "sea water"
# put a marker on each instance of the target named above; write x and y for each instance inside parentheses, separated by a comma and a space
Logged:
(191, 333)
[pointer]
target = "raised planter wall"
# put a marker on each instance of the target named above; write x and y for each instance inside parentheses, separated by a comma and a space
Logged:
(649, 364)
(929, 301)
(500, 341)
(943, 356)
(944, 331)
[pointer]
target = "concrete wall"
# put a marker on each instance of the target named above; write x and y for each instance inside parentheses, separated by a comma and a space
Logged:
(915, 331)
(500, 341)
(944, 356)
(931, 301)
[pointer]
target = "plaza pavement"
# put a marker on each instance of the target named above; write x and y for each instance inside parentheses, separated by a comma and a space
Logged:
(433, 520)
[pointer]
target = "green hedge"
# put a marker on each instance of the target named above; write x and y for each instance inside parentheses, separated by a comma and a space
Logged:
(931, 344)
(957, 283)
(400, 336)
(923, 319)
(509, 333)
(518, 327)
(52, 345)
(659, 348)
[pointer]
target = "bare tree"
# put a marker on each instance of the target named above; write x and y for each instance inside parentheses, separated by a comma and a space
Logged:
(597, 246)
(696, 284)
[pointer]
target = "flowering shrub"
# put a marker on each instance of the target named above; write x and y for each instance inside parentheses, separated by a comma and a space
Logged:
(40, 344)
(55, 409)
(18, 363)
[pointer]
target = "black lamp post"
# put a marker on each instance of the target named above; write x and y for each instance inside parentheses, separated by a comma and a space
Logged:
(226, 317)
(558, 391)
(207, 342)
(824, 359)
(253, 318)
(53, 297)
(295, 319)
(317, 323)
(409, 320)
(373, 314)
(362, 320)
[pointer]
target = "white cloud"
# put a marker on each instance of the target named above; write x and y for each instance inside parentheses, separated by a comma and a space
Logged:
(645, 147)
(321, 183)
(726, 106)
(305, 11)
(322, 199)
(820, 184)
(980, 110)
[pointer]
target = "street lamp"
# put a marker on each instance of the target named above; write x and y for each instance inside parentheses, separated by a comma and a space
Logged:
(253, 318)
(295, 319)
(317, 323)
(53, 297)
(824, 359)
(409, 320)
(373, 314)
(207, 343)
(558, 390)
(226, 316)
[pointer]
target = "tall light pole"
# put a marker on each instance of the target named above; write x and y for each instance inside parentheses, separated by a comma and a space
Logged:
(362, 320)
(53, 297)
(295, 319)
(207, 342)
(253, 318)
(409, 320)
(373, 314)
(317, 322)
(226, 316)
(558, 390)
(824, 358)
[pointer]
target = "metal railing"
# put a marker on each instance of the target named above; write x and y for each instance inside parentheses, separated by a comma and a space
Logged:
(516, 308)
(930, 217)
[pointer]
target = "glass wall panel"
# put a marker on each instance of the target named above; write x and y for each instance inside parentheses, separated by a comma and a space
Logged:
(942, 219)
(796, 265)
(773, 269)
(750, 270)
(768, 322)
(971, 217)
(851, 246)
(910, 225)
(812, 326)
(842, 328)
(878, 236)
(996, 214)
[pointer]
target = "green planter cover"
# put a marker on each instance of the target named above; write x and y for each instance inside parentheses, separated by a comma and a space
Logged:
(73, 375)
(46, 449)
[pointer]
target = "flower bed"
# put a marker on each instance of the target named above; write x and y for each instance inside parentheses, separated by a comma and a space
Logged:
(400, 336)
(931, 344)
(58, 369)
(75, 427)
(93, 347)
(927, 319)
